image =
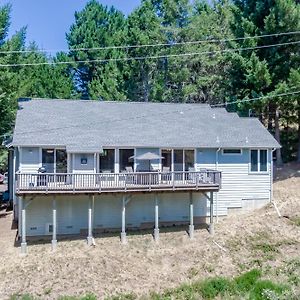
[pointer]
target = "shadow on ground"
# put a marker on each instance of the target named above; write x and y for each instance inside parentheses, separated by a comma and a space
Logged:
(289, 170)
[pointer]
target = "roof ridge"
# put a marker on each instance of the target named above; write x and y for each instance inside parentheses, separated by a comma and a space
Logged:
(118, 101)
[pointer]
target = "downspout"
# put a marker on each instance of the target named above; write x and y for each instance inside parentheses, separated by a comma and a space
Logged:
(271, 184)
(217, 165)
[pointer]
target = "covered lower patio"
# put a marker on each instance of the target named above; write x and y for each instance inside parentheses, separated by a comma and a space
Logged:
(127, 205)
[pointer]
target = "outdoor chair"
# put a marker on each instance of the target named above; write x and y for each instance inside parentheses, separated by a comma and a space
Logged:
(166, 175)
(129, 176)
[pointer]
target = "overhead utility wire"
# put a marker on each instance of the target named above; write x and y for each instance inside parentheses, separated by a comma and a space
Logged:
(142, 116)
(255, 99)
(207, 40)
(149, 57)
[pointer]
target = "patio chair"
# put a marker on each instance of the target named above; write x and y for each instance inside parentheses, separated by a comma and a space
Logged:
(166, 175)
(129, 176)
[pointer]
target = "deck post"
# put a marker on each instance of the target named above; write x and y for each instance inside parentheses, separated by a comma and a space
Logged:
(23, 228)
(123, 232)
(211, 215)
(156, 228)
(191, 226)
(90, 225)
(54, 224)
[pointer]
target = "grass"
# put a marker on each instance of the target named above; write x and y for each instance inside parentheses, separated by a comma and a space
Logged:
(249, 286)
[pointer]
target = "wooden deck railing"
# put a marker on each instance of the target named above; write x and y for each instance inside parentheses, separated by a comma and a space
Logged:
(116, 182)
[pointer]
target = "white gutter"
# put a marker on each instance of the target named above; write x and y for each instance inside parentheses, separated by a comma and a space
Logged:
(217, 164)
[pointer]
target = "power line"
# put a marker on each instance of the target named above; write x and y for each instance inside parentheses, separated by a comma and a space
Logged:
(255, 99)
(207, 40)
(149, 57)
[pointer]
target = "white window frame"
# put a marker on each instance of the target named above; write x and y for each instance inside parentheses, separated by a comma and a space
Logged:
(241, 151)
(183, 160)
(258, 162)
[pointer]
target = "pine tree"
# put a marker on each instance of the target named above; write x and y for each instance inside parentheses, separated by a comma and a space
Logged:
(97, 26)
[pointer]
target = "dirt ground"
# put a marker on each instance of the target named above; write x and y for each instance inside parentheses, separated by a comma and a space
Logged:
(257, 239)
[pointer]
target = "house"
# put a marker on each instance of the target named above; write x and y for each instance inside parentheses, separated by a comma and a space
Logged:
(92, 166)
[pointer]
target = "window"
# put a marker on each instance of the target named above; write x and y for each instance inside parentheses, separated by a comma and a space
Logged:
(189, 160)
(54, 160)
(125, 160)
(263, 160)
(167, 161)
(61, 161)
(183, 160)
(178, 160)
(83, 160)
(107, 161)
(48, 160)
(259, 161)
(232, 151)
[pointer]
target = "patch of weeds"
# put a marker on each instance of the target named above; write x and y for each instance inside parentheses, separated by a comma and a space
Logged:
(192, 272)
(86, 297)
(256, 262)
(296, 220)
(293, 272)
(245, 281)
(266, 290)
(265, 247)
(130, 296)
(47, 291)
(211, 288)
(209, 268)
(22, 297)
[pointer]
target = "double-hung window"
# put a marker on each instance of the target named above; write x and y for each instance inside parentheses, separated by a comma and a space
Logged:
(258, 160)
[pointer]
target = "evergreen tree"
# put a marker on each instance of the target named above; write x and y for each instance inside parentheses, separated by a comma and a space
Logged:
(144, 28)
(97, 26)
(259, 73)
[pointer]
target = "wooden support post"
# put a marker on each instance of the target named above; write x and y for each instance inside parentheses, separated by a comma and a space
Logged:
(156, 228)
(23, 227)
(191, 226)
(54, 225)
(123, 232)
(90, 224)
(211, 216)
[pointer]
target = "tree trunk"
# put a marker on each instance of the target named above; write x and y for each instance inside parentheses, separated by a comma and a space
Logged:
(277, 137)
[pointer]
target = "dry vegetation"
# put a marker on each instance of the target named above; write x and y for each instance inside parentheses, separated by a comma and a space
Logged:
(258, 240)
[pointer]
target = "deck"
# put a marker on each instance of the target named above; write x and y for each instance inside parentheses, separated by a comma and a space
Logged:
(54, 183)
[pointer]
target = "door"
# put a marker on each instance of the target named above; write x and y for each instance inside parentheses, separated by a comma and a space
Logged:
(48, 160)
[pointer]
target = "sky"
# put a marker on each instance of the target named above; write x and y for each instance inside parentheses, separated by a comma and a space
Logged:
(48, 21)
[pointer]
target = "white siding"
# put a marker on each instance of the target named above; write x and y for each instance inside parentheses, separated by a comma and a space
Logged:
(29, 159)
(72, 211)
(239, 186)
(83, 168)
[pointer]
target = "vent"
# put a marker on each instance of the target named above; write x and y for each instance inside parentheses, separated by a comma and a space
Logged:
(69, 226)
(33, 228)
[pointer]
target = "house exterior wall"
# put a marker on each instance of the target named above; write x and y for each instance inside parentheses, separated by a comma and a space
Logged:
(78, 167)
(30, 159)
(240, 189)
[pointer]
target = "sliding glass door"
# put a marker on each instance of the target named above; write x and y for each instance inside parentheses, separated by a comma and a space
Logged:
(107, 161)
(54, 160)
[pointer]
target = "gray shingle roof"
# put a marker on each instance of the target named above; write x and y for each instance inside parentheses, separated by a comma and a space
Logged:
(88, 125)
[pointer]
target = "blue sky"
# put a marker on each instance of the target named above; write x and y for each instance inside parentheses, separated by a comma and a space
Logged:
(48, 20)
